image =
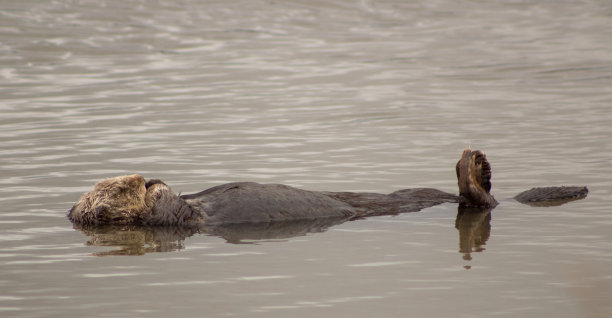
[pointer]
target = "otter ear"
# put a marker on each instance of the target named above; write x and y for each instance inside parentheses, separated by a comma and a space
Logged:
(483, 173)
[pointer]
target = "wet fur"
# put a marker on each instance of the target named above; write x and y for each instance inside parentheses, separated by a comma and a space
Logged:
(132, 200)
(119, 200)
(474, 179)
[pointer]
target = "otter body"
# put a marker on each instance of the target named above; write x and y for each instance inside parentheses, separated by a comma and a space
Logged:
(245, 202)
(132, 200)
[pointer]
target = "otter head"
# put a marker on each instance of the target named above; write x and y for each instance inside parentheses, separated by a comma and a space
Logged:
(474, 179)
(130, 200)
(119, 200)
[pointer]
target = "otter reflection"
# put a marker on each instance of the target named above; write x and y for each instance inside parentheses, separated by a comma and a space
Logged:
(238, 233)
(140, 239)
(135, 239)
(474, 226)
(474, 223)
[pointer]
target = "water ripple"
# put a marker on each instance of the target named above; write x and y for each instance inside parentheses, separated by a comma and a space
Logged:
(343, 95)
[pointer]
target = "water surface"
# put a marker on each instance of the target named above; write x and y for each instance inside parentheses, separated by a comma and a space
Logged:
(339, 96)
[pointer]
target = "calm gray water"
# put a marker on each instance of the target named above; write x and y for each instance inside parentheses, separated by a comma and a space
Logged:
(323, 95)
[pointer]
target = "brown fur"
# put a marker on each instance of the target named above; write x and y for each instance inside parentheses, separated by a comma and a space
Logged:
(167, 208)
(474, 179)
(129, 200)
(119, 200)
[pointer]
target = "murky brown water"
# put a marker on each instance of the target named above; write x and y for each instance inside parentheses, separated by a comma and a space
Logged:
(342, 95)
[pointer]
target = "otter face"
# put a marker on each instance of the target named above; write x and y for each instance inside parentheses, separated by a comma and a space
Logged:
(474, 179)
(119, 200)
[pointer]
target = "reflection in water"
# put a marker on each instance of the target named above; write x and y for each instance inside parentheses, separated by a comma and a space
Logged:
(139, 240)
(241, 232)
(136, 240)
(474, 225)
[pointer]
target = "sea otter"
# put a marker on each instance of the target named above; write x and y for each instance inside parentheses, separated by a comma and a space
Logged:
(131, 200)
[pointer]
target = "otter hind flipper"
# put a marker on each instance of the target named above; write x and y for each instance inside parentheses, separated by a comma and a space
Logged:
(552, 196)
